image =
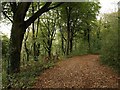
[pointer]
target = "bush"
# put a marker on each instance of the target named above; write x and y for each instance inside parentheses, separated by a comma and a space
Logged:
(5, 45)
(27, 77)
(109, 51)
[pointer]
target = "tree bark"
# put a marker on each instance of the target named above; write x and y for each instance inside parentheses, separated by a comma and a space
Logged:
(71, 44)
(25, 45)
(68, 10)
(17, 35)
(71, 40)
(33, 37)
(62, 45)
(88, 38)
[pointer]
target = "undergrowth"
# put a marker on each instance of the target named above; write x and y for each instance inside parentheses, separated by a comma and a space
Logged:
(27, 77)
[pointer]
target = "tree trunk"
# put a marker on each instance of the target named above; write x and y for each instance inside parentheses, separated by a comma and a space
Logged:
(33, 32)
(49, 52)
(71, 41)
(49, 48)
(71, 45)
(62, 45)
(98, 38)
(88, 38)
(25, 45)
(68, 10)
(62, 40)
(17, 35)
(68, 43)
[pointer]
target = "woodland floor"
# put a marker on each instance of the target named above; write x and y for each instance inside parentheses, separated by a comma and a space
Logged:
(78, 72)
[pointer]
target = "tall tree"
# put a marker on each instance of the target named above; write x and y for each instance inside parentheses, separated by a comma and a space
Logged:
(49, 27)
(19, 26)
(75, 16)
(33, 32)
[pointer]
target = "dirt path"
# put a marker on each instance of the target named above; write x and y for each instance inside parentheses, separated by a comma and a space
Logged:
(78, 72)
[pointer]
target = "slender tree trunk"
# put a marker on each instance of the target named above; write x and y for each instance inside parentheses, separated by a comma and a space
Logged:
(62, 45)
(68, 10)
(49, 48)
(68, 43)
(33, 31)
(38, 44)
(88, 38)
(62, 40)
(49, 53)
(71, 41)
(98, 37)
(25, 45)
(71, 45)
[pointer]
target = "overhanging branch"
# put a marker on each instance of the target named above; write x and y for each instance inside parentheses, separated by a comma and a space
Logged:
(45, 8)
(7, 16)
(37, 14)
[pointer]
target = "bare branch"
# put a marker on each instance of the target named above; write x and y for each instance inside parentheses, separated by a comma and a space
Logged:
(7, 16)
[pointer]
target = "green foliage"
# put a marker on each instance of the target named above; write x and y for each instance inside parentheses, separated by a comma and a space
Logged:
(109, 51)
(82, 18)
(26, 78)
(5, 45)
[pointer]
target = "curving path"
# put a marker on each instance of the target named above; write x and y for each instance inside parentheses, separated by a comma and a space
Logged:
(78, 72)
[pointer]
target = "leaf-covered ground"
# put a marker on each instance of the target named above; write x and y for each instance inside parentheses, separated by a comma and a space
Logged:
(78, 72)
